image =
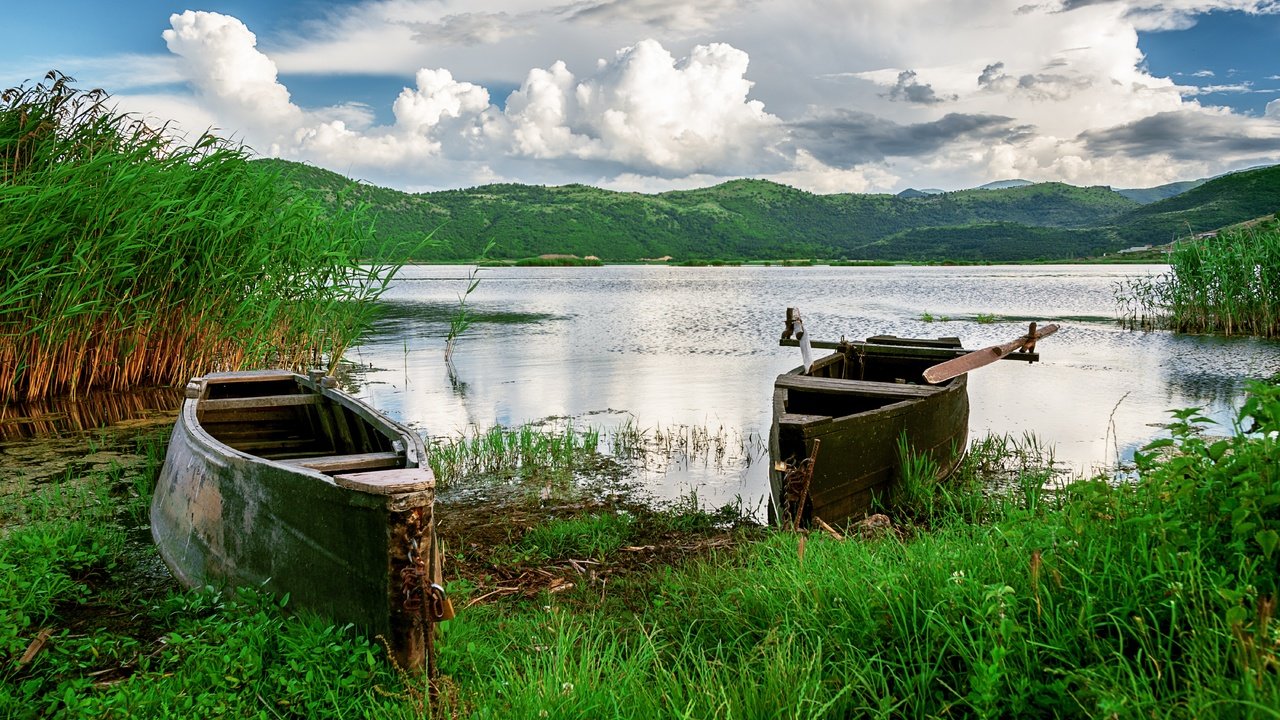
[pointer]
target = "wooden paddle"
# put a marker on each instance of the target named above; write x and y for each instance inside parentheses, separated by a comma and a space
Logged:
(986, 356)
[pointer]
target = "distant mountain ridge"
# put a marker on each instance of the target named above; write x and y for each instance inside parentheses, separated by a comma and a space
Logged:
(758, 219)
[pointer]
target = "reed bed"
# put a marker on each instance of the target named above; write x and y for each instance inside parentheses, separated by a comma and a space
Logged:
(133, 257)
(1227, 284)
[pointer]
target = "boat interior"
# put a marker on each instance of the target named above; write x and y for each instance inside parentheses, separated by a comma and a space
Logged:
(279, 418)
(847, 383)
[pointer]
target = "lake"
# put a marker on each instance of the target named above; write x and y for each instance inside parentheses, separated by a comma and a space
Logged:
(697, 348)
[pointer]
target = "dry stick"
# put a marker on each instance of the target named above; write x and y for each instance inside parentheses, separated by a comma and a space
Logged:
(36, 645)
(806, 476)
(822, 524)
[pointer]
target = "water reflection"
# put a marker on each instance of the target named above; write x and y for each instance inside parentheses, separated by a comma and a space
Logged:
(698, 347)
(63, 416)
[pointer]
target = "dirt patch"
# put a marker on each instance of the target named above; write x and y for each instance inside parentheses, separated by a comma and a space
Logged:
(482, 540)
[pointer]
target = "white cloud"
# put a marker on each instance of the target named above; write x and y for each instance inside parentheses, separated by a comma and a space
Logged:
(1273, 109)
(647, 110)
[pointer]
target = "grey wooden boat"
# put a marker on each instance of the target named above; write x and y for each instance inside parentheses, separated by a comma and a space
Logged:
(859, 401)
(278, 481)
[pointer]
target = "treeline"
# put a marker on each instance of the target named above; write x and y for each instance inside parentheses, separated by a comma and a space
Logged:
(760, 220)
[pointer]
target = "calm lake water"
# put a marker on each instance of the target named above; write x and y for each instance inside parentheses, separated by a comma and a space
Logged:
(667, 347)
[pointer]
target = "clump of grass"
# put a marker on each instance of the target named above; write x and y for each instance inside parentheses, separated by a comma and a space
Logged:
(1229, 284)
(526, 452)
(133, 257)
(984, 318)
(558, 262)
(588, 536)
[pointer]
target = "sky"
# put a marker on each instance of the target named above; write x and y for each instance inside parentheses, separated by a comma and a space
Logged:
(655, 95)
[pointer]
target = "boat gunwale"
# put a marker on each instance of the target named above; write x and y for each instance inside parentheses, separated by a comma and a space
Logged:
(414, 453)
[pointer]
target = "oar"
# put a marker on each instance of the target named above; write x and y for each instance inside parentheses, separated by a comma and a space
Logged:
(986, 356)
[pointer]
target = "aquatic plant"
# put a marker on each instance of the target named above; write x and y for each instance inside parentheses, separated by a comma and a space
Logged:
(132, 256)
(1228, 283)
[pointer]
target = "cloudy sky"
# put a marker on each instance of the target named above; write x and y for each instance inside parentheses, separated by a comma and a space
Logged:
(649, 95)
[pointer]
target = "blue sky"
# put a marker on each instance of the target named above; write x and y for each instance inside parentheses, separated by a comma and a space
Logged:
(656, 94)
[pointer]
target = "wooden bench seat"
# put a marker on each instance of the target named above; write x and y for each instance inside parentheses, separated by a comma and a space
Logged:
(264, 401)
(329, 464)
(388, 482)
(862, 388)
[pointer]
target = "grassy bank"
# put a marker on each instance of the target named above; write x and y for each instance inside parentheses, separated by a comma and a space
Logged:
(131, 257)
(993, 595)
(1228, 283)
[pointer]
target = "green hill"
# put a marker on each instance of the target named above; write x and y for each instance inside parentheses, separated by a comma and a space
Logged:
(1222, 201)
(758, 219)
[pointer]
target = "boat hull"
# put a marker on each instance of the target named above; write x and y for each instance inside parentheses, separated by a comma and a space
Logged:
(228, 517)
(861, 424)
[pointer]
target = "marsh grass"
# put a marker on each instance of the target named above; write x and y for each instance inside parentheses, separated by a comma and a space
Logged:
(133, 257)
(1228, 284)
(530, 453)
(658, 446)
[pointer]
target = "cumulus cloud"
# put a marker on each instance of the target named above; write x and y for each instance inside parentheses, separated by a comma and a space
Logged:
(218, 54)
(1273, 109)
(910, 89)
(648, 110)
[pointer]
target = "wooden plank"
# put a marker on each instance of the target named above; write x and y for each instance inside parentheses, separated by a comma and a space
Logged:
(348, 463)
(242, 376)
(388, 482)
(254, 447)
(802, 420)
(264, 401)
(863, 388)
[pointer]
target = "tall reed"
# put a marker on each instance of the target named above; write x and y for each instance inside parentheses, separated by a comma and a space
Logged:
(1227, 284)
(131, 256)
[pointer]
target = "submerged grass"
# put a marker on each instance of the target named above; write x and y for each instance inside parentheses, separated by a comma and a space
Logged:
(1228, 283)
(133, 257)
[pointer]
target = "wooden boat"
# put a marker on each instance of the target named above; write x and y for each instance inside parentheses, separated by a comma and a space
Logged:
(279, 481)
(859, 402)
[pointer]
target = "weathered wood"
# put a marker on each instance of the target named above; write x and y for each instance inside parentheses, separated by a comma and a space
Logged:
(266, 401)
(255, 447)
(389, 482)
(802, 420)
(862, 388)
(247, 376)
(980, 358)
(347, 463)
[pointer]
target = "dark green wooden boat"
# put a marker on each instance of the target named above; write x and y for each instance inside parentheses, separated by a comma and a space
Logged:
(278, 481)
(858, 402)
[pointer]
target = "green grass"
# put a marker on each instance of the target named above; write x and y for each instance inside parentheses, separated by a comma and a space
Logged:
(1153, 598)
(591, 536)
(131, 257)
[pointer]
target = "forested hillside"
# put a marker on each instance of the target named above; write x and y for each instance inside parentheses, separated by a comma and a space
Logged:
(758, 219)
